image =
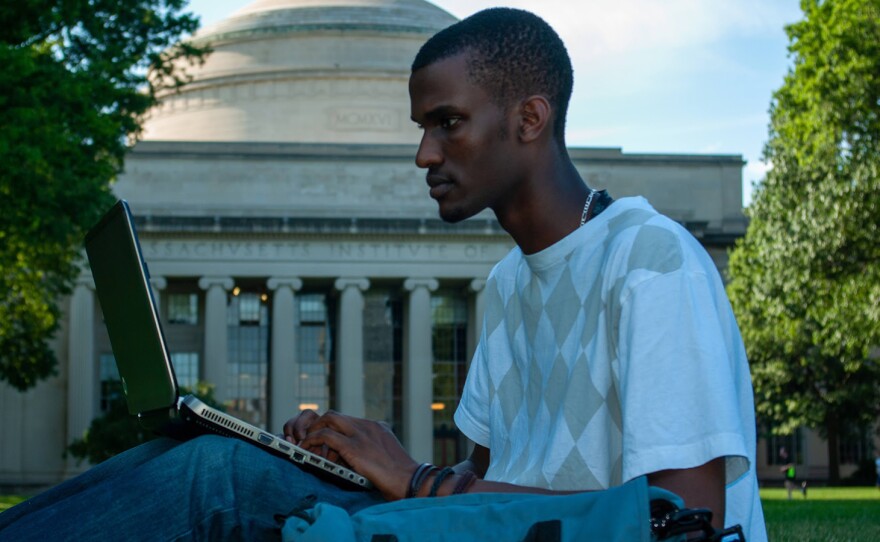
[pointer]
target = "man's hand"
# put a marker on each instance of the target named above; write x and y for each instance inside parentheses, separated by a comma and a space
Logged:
(295, 429)
(368, 447)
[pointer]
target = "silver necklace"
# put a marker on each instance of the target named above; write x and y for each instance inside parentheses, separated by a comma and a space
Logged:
(587, 206)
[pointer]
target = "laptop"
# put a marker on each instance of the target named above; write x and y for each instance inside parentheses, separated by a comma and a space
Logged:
(148, 381)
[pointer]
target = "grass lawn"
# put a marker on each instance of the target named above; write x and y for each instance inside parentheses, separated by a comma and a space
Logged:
(828, 514)
(8, 501)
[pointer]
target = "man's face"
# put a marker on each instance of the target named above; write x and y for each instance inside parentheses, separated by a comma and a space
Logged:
(467, 141)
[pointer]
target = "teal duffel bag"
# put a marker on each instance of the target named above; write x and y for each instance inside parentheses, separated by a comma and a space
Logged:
(632, 512)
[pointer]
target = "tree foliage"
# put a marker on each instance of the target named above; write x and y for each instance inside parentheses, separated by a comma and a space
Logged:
(117, 431)
(77, 79)
(805, 279)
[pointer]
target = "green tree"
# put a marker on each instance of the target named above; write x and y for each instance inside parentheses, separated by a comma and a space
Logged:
(805, 279)
(77, 78)
(117, 430)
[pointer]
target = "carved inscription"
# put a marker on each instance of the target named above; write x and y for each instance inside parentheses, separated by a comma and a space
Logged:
(318, 251)
(389, 251)
(349, 119)
(412, 252)
(225, 250)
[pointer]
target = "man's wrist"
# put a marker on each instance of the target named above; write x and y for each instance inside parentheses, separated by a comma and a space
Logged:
(431, 481)
(418, 478)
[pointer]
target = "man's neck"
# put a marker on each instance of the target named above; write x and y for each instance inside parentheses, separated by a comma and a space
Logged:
(547, 207)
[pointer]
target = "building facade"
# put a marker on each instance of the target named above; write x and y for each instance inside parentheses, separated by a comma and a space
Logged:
(295, 255)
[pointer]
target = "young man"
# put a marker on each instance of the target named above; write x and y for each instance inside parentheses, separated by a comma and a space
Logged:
(608, 350)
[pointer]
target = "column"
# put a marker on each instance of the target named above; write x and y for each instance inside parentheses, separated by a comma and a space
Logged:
(350, 358)
(216, 342)
(283, 372)
(475, 319)
(418, 392)
(82, 375)
(158, 284)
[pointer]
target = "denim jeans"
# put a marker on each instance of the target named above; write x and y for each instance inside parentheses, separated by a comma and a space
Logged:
(209, 488)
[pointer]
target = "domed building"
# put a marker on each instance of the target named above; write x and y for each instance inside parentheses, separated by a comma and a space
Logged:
(296, 257)
(304, 72)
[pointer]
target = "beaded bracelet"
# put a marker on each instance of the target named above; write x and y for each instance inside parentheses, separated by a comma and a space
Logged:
(438, 481)
(464, 483)
(418, 478)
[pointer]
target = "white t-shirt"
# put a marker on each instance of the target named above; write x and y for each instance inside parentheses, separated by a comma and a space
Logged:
(612, 354)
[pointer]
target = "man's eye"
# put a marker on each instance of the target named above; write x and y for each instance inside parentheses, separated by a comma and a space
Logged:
(449, 122)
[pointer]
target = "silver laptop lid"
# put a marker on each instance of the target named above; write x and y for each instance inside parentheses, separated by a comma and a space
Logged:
(122, 284)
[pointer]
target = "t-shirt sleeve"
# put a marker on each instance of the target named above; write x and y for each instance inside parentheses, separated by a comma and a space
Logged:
(680, 376)
(472, 415)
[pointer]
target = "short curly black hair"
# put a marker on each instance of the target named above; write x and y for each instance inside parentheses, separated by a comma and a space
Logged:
(513, 54)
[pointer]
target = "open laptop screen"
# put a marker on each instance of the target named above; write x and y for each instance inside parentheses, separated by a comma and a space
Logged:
(122, 284)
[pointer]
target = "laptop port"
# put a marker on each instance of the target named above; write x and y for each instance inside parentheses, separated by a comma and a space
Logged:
(266, 439)
(283, 446)
(298, 457)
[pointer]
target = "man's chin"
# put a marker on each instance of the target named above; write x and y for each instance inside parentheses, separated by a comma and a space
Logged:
(453, 216)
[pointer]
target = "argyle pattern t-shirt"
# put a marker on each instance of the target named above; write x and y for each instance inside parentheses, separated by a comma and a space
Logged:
(611, 354)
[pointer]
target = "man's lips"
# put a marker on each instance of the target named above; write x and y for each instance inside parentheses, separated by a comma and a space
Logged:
(439, 185)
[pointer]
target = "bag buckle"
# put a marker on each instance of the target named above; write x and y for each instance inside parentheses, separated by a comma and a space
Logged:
(667, 520)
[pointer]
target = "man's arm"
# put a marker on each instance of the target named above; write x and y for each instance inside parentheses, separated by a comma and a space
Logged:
(699, 487)
(371, 449)
(477, 462)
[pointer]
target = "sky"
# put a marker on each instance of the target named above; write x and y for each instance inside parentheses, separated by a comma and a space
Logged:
(657, 76)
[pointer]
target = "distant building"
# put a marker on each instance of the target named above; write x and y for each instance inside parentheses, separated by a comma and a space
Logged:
(296, 256)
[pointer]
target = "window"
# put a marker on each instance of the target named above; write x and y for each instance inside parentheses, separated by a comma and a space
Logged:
(383, 356)
(248, 347)
(250, 308)
(785, 449)
(315, 352)
(855, 445)
(111, 385)
(185, 332)
(183, 308)
(186, 368)
(449, 311)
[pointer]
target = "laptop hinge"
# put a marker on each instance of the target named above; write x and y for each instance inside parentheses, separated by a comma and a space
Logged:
(163, 421)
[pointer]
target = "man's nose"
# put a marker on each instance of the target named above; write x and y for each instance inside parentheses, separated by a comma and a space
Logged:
(428, 154)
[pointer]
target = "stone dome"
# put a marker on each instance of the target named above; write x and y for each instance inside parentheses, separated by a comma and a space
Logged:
(303, 71)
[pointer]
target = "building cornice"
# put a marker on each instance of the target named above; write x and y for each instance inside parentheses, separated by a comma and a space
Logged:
(299, 151)
(333, 228)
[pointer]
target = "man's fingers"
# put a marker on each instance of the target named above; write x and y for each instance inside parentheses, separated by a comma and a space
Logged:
(331, 454)
(347, 440)
(332, 420)
(296, 428)
(327, 443)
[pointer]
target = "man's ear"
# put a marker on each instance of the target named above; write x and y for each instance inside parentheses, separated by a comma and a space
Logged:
(535, 117)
